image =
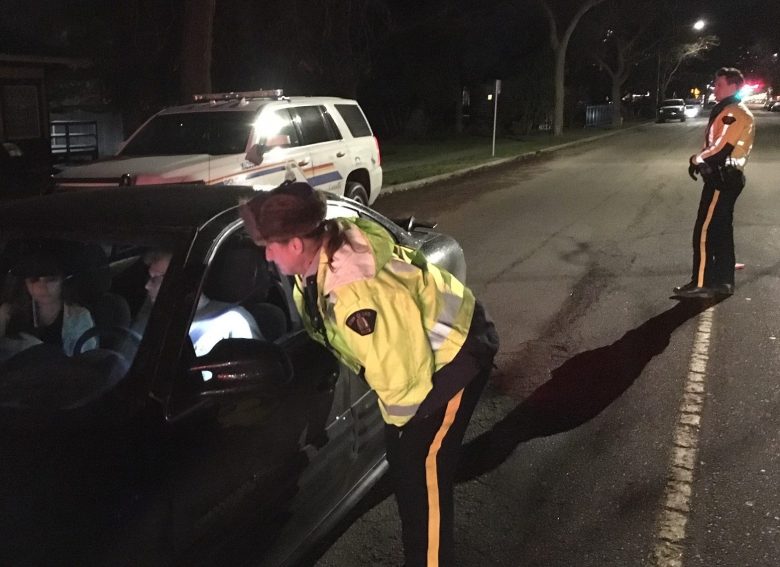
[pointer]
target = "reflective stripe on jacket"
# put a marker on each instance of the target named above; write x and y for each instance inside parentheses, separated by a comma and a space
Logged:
(422, 315)
(729, 136)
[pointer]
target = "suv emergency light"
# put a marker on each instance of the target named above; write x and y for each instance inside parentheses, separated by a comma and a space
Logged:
(272, 93)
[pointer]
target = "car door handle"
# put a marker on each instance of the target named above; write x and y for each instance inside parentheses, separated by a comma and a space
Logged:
(341, 154)
(303, 162)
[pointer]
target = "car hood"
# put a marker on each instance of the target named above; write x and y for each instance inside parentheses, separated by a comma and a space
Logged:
(146, 170)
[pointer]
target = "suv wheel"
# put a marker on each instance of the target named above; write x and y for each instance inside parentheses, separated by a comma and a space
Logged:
(356, 192)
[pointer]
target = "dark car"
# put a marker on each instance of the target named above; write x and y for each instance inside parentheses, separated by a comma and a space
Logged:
(138, 451)
(671, 109)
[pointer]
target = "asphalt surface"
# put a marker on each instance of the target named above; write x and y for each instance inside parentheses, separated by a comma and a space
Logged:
(576, 444)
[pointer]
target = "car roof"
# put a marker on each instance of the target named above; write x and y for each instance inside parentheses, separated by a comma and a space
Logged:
(252, 104)
(135, 208)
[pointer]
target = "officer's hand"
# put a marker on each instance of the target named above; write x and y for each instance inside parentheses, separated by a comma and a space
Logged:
(693, 168)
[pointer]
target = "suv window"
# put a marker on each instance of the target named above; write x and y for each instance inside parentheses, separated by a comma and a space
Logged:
(673, 102)
(214, 133)
(356, 122)
(277, 123)
(313, 126)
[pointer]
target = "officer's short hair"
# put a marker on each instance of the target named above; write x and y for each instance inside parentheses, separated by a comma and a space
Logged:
(732, 74)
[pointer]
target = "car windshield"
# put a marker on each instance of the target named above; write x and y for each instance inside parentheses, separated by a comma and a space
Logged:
(213, 133)
(673, 102)
(72, 317)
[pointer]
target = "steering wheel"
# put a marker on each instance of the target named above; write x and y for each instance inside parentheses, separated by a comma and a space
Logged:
(115, 331)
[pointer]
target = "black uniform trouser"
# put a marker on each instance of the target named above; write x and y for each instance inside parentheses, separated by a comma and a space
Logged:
(713, 233)
(423, 455)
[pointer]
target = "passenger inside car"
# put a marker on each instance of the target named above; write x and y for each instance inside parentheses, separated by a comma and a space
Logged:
(40, 309)
(213, 320)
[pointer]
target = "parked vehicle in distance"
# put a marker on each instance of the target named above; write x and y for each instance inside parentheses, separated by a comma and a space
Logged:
(693, 108)
(671, 109)
(257, 138)
(144, 451)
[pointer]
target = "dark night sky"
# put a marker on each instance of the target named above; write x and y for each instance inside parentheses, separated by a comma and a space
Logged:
(37, 25)
(42, 25)
(486, 38)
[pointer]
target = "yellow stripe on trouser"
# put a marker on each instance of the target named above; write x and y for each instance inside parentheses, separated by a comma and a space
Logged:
(432, 480)
(703, 239)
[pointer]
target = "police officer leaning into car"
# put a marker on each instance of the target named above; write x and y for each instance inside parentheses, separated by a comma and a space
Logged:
(418, 335)
(721, 163)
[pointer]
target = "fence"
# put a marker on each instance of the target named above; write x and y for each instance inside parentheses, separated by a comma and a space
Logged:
(598, 115)
(74, 138)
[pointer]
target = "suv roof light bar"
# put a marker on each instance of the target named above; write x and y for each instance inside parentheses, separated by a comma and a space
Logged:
(269, 93)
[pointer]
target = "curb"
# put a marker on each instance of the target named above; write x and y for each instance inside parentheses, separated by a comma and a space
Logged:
(416, 184)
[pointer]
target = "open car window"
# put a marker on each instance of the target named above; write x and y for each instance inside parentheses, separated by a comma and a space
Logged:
(242, 297)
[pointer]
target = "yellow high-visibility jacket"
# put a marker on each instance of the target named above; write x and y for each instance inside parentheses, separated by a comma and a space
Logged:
(729, 136)
(387, 311)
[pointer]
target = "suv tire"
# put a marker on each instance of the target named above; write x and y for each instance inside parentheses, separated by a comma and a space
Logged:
(356, 192)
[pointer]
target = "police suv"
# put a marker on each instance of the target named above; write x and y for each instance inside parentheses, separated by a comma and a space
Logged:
(257, 138)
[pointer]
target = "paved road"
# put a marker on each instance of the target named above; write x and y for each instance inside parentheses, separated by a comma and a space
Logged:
(622, 428)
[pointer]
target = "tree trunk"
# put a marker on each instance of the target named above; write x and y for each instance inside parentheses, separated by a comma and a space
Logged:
(196, 47)
(617, 121)
(459, 110)
(559, 46)
(560, 88)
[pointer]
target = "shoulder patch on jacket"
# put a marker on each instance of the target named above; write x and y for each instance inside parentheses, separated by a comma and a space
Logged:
(729, 120)
(362, 321)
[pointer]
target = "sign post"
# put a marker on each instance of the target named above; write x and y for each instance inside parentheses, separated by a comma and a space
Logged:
(495, 113)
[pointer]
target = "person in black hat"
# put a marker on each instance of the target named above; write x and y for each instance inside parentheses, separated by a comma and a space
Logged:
(41, 312)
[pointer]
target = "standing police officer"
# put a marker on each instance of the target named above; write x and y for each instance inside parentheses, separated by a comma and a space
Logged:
(421, 340)
(728, 140)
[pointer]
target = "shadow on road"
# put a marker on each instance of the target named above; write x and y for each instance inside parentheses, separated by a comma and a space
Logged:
(577, 391)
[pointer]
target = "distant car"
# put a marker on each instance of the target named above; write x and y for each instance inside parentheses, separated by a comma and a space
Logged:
(692, 108)
(139, 452)
(671, 109)
(257, 138)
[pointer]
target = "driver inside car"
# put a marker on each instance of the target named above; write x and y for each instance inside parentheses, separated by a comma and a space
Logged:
(40, 310)
(213, 320)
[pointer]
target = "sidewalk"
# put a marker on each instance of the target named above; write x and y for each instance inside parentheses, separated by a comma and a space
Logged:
(410, 165)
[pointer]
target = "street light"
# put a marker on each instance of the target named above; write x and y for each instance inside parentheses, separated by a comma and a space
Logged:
(699, 25)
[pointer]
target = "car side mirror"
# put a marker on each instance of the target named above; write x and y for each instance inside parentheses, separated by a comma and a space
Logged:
(411, 223)
(243, 366)
(255, 153)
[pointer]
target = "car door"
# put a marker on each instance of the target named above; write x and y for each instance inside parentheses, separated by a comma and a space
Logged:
(329, 154)
(269, 460)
